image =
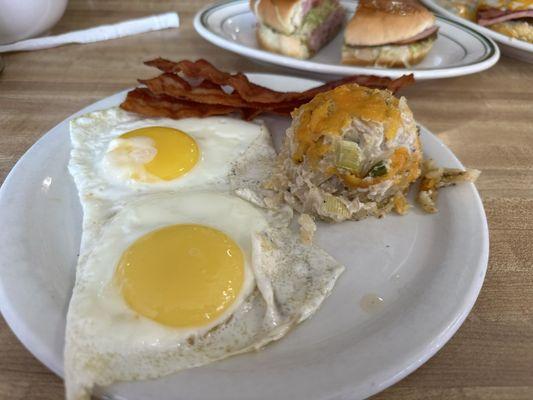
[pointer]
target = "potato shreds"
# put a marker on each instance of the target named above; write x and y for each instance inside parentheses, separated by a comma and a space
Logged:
(434, 178)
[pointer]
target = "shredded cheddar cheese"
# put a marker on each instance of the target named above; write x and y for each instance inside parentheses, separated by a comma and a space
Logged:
(328, 114)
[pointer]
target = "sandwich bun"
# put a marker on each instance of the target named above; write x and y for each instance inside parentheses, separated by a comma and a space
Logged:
(400, 56)
(281, 15)
(279, 43)
(380, 22)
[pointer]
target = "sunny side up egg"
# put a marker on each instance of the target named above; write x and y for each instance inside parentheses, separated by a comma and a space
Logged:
(170, 275)
(145, 306)
(115, 152)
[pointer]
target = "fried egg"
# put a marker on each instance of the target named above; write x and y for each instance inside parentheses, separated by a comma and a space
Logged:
(116, 153)
(179, 280)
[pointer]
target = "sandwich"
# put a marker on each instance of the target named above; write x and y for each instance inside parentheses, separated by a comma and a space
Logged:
(389, 34)
(297, 28)
(513, 18)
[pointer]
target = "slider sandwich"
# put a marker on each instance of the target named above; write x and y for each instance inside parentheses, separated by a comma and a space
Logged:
(513, 18)
(389, 33)
(297, 28)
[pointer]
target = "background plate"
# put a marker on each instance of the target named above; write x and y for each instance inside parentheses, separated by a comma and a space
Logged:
(509, 46)
(428, 269)
(457, 51)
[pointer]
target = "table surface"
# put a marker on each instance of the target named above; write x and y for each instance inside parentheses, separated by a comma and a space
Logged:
(486, 119)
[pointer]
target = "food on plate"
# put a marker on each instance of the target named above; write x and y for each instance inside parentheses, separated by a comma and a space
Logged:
(175, 271)
(143, 101)
(434, 178)
(463, 8)
(179, 280)
(513, 18)
(389, 34)
(198, 89)
(187, 253)
(296, 28)
(350, 153)
(115, 152)
(307, 228)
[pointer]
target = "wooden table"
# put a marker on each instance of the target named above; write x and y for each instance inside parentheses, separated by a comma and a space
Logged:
(486, 119)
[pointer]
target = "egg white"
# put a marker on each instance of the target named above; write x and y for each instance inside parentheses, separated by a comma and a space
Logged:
(106, 341)
(221, 141)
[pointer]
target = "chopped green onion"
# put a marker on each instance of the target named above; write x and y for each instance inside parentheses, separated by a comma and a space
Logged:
(379, 169)
(333, 207)
(348, 156)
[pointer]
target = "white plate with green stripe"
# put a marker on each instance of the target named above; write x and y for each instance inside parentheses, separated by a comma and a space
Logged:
(457, 51)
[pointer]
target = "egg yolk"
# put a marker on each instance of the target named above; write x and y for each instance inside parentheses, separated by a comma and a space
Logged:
(176, 152)
(182, 275)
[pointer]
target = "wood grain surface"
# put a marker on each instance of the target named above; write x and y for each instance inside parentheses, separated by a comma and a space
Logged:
(486, 119)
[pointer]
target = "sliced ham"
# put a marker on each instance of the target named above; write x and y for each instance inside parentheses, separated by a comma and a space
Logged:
(327, 29)
(491, 16)
(422, 35)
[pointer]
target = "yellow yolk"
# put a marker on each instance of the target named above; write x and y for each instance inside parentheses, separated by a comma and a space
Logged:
(330, 112)
(182, 275)
(176, 152)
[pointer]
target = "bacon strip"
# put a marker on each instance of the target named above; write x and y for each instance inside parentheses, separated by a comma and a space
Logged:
(202, 69)
(171, 84)
(207, 92)
(169, 95)
(144, 102)
(491, 16)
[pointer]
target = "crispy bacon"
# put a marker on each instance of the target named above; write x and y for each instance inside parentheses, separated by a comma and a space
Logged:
(202, 69)
(207, 92)
(219, 93)
(144, 102)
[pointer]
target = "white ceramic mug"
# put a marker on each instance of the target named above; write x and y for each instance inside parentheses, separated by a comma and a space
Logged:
(22, 19)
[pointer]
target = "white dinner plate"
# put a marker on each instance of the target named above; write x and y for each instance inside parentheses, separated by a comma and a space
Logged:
(457, 51)
(427, 269)
(510, 46)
